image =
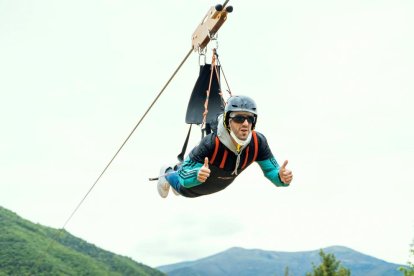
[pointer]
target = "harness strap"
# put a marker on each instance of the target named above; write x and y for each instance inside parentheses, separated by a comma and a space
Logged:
(223, 161)
(256, 146)
(256, 150)
(213, 70)
(247, 158)
(216, 147)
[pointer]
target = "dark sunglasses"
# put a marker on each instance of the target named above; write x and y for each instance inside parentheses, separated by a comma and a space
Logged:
(240, 119)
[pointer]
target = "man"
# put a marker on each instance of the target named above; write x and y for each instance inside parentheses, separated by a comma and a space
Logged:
(220, 158)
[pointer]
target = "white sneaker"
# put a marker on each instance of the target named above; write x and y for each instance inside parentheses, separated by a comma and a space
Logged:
(163, 186)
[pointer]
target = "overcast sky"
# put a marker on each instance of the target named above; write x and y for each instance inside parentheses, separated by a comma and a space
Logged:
(333, 81)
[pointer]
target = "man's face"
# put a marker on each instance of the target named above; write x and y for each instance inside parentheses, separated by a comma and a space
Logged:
(241, 124)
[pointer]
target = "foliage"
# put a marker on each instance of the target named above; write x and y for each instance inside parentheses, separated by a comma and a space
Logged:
(33, 249)
(409, 271)
(329, 267)
(286, 271)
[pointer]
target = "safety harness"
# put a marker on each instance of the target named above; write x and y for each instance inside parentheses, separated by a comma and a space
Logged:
(225, 154)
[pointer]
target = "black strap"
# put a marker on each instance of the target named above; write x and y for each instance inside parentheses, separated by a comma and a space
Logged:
(181, 155)
(206, 131)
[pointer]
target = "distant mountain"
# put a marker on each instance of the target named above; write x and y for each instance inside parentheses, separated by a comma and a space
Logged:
(255, 262)
(26, 249)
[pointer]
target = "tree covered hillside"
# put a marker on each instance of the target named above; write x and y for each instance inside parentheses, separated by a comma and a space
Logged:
(26, 249)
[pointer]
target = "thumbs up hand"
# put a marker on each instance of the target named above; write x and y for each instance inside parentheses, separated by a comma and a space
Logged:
(204, 171)
(285, 174)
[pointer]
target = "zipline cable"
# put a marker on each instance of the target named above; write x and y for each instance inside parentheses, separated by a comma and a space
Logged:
(58, 233)
(129, 136)
(195, 46)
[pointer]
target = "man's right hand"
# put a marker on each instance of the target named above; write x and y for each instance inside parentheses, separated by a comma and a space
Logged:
(204, 172)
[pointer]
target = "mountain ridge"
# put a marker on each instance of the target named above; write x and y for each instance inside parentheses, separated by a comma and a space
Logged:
(249, 262)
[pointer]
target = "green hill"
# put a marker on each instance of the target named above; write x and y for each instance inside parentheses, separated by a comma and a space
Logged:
(26, 249)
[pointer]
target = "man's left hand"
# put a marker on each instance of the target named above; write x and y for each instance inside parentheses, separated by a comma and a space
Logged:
(285, 175)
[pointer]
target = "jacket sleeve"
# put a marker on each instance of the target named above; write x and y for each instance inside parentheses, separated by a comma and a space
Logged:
(270, 169)
(187, 174)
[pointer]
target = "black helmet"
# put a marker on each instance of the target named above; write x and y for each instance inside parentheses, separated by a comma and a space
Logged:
(239, 103)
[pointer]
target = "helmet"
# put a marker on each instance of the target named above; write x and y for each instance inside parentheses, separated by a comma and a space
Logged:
(239, 103)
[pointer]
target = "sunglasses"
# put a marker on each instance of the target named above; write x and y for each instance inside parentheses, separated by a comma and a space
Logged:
(240, 119)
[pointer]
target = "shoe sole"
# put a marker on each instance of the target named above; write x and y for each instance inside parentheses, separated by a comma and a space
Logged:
(163, 186)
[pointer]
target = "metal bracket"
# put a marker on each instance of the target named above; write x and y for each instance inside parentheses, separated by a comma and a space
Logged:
(211, 23)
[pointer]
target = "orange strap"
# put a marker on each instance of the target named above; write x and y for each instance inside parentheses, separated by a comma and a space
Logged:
(256, 150)
(215, 150)
(246, 158)
(213, 66)
(224, 159)
(256, 145)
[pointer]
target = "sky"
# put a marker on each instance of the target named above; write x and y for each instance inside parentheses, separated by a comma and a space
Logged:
(333, 81)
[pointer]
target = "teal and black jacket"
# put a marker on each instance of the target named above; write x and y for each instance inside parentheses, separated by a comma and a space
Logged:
(222, 163)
